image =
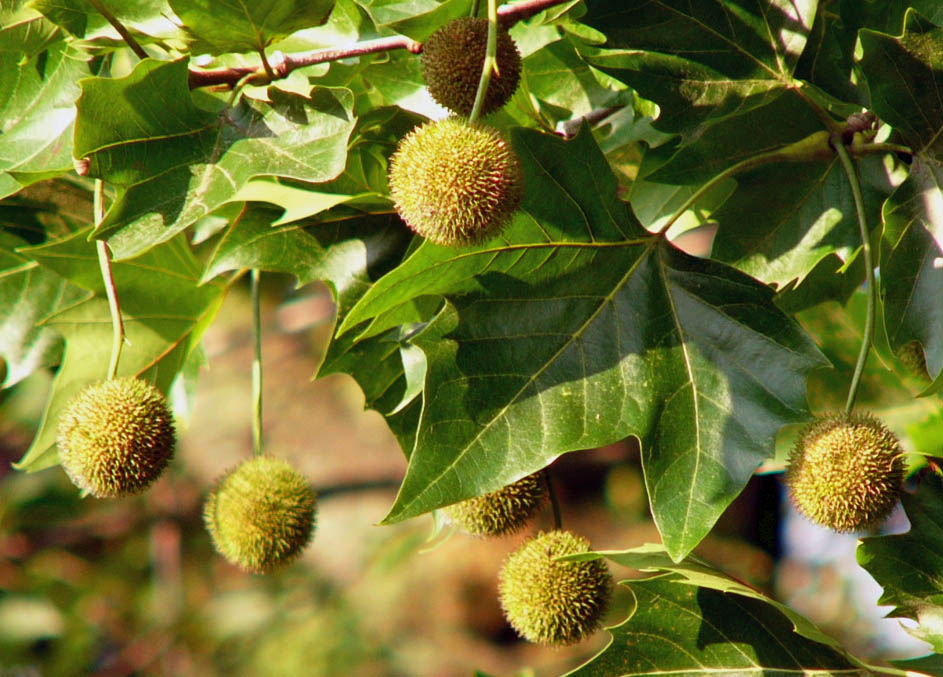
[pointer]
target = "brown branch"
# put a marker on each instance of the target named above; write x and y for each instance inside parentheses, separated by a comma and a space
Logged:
(282, 66)
(508, 15)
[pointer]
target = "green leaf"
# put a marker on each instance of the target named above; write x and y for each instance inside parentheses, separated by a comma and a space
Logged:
(701, 62)
(146, 20)
(29, 294)
(910, 566)
(905, 80)
(416, 19)
(783, 219)
(680, 629)
(37, 113)
(695, 597)
(165, 313)
(180, 162)
(247, 25)
(23, 30)
(577, 329)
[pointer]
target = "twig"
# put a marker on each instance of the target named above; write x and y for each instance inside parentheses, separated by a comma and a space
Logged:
(118, 26)
(554, 501)
(282, 66)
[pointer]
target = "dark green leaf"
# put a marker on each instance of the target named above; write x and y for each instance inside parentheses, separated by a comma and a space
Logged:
(701, 62)
(905, 79)
(146, 20)
(247, 25)
(910, 566)
(680, 629)
(578, 329)
(912, 281)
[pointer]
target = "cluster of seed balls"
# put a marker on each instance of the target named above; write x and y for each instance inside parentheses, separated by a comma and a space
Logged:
(545, 599)
(455, 182)
(116, 437)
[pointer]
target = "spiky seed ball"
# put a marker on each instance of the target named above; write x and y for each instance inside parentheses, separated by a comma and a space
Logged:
(452, 59)
(454, 182)
(501, 512)
(553, 602)
(261, 514)
(845, 472)
(115, 437)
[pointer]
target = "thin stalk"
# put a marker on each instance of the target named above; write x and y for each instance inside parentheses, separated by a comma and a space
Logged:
(256, 365)
(554, 501)
(118, 26)
(108, 278)
(871, 287)
(491, 62)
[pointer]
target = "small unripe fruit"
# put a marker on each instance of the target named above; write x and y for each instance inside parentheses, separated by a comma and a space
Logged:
(845, 472)
(501, 512)
(261, 514)
(553, 602)
(454, 182)
(452, 60)
(115, 437)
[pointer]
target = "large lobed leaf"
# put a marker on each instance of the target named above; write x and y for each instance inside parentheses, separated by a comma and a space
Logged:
(910, 566)
(180, 162)
(247, 25)
(37, 114)
(905, 79)
(578, 329)
(693, 619)
(702, 62)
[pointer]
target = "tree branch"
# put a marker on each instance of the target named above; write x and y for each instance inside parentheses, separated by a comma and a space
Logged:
(282, 65)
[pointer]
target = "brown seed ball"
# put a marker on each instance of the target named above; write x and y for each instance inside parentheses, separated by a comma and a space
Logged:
(501, 512)
(553, 602)
(115, 437)
(261, 514)
(845, 472)
(452, 59)
(455, 183)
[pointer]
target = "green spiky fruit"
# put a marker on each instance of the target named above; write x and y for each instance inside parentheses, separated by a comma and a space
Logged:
(845, 472)
(261, 514)
(115, 437)
(501, 512)
(452, 60)
(549, 601)
(454, 182)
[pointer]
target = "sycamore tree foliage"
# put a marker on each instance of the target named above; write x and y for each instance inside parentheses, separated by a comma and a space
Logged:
(228, 136)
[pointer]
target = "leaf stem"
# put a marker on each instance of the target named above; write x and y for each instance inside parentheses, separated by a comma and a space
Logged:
(118, 26)
(490, 63)
(554, 501)
(870, 284)
(256, 364)
(108, 278)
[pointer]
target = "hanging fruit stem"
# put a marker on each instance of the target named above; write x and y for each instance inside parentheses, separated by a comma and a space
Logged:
(554, 501)
(256, 364)
(108, 278)
(491, 60)
(870, 285)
